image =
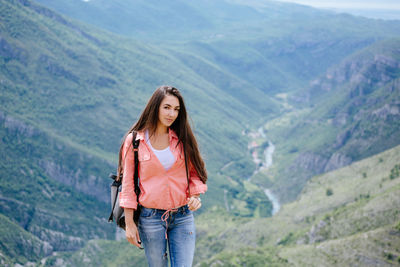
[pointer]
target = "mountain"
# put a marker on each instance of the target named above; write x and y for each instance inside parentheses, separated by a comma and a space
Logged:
(345, 217)
(283, 51)
(86, 92)
(350, 113)
(68, 94)
(114, 84)
(318, 83)
(275, 47)
(52, 195)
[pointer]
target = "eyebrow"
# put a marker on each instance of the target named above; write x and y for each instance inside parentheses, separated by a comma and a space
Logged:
(166, 104)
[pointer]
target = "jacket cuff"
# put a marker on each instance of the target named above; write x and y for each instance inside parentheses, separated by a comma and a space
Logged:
(124, 203)
(198, 189)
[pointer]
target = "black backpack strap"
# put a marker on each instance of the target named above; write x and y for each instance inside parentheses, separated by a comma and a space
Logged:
(136, 174)
(186, 167)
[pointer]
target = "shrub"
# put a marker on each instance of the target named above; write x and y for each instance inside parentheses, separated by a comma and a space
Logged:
(389, 256)
(329, 192)
(287, 239)
(395, 172)
(397, 227)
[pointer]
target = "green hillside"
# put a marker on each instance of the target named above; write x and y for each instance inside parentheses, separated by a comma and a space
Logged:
(70, 70)
(349, 113)
(271, 46)
(345, 217)
(324, 87)
(18, 243)
(52, 195)
(357, 223)
(313, 59)
(85, 91)
(68, 94)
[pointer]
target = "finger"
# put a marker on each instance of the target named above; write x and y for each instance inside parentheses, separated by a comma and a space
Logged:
(131, 240)
(138, 245)
(197, 205)
(190, 202)
(134, 242)
(191, 206)
(194, 200)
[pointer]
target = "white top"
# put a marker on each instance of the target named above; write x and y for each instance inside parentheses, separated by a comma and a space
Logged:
(165, 156)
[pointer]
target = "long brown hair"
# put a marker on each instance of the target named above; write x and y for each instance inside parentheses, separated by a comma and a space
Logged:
(149, 120)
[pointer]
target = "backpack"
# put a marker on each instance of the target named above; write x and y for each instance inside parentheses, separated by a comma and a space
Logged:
(117, 213)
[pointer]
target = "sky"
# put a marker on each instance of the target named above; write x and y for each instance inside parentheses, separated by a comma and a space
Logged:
(350, 4)
(384, 9)
(377, 9)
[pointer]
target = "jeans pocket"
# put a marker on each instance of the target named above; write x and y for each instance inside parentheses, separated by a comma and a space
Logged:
(147, 213)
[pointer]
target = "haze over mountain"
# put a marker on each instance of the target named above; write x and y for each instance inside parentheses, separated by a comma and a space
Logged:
(385, 9)
(322, 88)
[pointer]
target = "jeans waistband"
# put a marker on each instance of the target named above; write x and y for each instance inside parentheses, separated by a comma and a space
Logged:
(182, 208)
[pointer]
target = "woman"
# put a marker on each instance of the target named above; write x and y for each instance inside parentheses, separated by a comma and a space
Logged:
(169, 193)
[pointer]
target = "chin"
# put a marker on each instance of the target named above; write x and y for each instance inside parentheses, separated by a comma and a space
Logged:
(167, 124)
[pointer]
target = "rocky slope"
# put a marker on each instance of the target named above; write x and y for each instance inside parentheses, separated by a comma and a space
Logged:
(349, 113)
(68, 94)
(347, 217)
(51, 203)
(69, 91)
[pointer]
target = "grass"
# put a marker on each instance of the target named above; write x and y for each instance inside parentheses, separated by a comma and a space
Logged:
(79, 88)
(361, 232)
(335, 127)
(345, 219)
(369, 248)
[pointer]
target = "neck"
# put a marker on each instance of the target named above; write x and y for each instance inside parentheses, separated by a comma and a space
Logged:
(161, 129)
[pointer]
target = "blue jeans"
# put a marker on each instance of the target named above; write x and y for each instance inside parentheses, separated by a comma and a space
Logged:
(178, 227)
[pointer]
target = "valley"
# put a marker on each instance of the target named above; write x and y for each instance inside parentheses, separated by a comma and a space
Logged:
(296, 110)
(358, 224)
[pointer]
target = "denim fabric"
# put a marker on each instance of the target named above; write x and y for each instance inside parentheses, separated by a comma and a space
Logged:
(180, 229)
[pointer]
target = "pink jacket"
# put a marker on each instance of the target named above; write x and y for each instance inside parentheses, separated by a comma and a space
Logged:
(160, 189)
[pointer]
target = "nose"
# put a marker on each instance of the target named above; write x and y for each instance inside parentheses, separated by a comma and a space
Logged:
(172, 113)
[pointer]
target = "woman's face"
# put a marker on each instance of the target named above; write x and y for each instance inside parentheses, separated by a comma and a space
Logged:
(169, 110)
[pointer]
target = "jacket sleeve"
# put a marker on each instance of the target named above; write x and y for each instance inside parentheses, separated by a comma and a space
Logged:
(127, 196)
(195, 184)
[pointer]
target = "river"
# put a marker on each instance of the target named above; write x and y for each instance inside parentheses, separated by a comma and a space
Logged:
(266, 164)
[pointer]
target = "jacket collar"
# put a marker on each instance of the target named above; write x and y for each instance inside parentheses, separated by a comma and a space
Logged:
(171, 134)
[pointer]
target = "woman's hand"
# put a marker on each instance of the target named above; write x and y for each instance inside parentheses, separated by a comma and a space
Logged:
(131, 231)
(194, 203)
(132, 235)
